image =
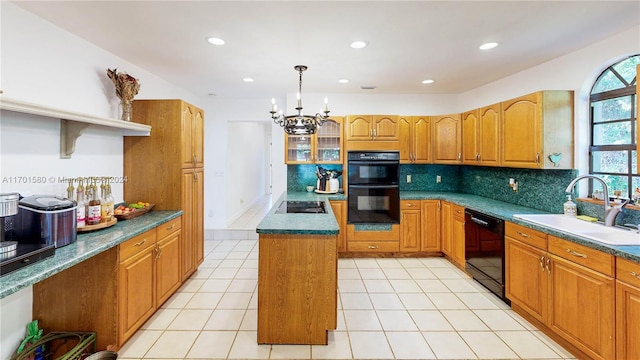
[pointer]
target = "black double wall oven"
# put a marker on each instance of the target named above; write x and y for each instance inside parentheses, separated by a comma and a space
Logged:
(374, 192)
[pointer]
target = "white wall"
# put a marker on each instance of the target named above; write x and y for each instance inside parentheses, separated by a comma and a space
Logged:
(43, 64)
(246, 164)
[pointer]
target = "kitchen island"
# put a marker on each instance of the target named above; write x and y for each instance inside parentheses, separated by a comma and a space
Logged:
(297, 274)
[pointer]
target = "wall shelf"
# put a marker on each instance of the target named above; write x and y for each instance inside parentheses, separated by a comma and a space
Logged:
(72, 124)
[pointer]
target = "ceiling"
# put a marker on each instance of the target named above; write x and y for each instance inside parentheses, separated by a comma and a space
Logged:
(408, 41)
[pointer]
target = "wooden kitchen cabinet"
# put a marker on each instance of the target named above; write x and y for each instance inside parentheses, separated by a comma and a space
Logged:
(410, 226)
(627, 309)
(192, 197)
(415, 139)
(373, 240)
(481, 136)
(567, 287)
(372, 132)
(339, 208)
(452, 231)
(175, 146)
(136, 283)
(323, 147)
(447, 139)
(536, 128)
(430, 219)
(115, 292)
(168, 276)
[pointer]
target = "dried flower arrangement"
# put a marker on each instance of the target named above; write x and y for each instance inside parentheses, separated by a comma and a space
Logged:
(126, 85)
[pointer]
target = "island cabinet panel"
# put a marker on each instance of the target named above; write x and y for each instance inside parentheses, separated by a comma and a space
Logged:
(627, 309)
(297, 288)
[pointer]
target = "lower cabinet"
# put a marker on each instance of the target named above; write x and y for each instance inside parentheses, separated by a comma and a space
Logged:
(115, 292)
(430, 218)
(410, 225)
(567, 287)
(627, 309)
(373, 240)
(452, 231)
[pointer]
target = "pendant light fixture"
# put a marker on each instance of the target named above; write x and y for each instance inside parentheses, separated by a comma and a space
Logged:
(299, 124)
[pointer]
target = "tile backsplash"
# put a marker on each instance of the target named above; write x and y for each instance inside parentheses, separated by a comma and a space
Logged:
(538, 189)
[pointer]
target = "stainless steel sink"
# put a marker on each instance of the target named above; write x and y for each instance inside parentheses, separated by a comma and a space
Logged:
(301, 207)
(593, 231)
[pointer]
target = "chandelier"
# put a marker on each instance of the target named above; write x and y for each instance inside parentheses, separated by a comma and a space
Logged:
(299, 124)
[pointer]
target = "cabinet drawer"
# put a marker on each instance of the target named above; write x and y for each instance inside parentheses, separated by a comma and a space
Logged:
(628, 271)
(410, 205)
(169, 227)
(457, 210)
(137, 244)
(374, 246)
(585, 256)
(526, 235)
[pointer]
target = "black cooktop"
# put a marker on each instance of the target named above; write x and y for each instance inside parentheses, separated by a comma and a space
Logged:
(23, 255)
(301, 207)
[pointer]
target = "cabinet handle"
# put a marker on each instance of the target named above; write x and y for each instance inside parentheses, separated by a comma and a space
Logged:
(195, 159)
(371, 133)
(523, 234)
(478, 157)
(547, 265)
(195, 176)
(372, 246)
(409, 204)
(635, 274)
(542, 262)
(375, 133)
(574, 253)
(459, 156)
(141, 242)
(537, 158)
(170, 227)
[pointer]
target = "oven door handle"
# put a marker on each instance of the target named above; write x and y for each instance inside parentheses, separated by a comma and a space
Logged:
(479, 221)
(374, 162)
(374, 186)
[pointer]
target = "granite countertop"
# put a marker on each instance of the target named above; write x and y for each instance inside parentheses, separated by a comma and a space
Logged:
(307, 224)
(88, 245)
(505, 211)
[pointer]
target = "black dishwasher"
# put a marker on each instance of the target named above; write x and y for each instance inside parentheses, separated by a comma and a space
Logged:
(484, 251)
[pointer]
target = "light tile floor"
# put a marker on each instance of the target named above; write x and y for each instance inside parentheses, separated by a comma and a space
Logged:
(388, 309)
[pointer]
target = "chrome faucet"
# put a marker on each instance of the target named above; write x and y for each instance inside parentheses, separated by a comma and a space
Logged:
(610, 212)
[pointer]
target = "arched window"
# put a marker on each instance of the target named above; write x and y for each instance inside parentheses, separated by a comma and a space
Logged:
(612, 151)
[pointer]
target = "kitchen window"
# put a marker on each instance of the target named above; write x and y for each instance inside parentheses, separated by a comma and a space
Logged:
(613, 120)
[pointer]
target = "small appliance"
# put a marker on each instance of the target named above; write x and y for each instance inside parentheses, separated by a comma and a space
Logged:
(34, 228)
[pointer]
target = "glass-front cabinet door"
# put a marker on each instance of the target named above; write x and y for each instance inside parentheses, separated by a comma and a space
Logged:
(324, 147)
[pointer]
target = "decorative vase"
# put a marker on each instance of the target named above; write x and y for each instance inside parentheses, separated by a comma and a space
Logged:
(126, 110)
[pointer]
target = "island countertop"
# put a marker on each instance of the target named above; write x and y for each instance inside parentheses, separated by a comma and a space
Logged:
(307, 224)
(87, 245)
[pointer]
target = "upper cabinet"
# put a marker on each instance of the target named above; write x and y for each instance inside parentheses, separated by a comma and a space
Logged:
(447, 139)
(481, 136)
(193, 136)
(372, 132)
(372, 128)
(323, 147)
(537, 131)
(415, 139)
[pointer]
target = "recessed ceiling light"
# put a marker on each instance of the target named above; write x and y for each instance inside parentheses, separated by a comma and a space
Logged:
(489, 45)
(358, 44)
(215, 41)
(343, 81)
(428, 81)
(247, 79)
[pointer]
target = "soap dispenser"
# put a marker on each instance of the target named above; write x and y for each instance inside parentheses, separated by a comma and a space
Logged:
(570, 208)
